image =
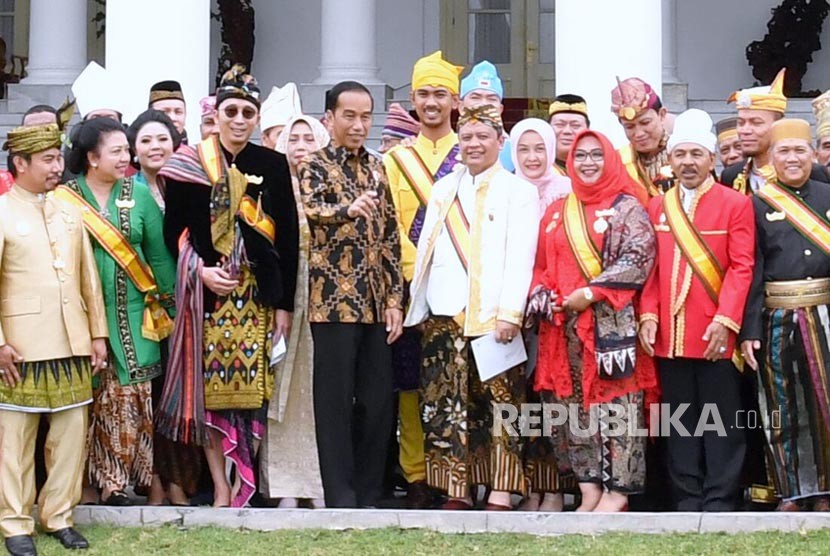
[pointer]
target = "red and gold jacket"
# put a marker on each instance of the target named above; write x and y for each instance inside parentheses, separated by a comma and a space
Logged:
(675, 297)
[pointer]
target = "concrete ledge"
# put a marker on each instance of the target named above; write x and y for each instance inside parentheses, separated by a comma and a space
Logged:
(531, 523)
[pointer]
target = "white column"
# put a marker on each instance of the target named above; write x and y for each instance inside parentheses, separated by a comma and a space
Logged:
(670, 41)
(136, 63)
(57, 41)
(348, 42)
(585, 65)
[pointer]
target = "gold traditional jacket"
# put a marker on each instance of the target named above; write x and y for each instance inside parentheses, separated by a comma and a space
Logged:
(503, 231)
(51, 305)
(406, 202)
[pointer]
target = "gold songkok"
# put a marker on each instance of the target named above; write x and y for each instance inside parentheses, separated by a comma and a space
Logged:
(33, 139)
(790, 128)
(821, 110)
(486, 114)
(762, 98)
(558, 106)
(434, 71)
(727, 128)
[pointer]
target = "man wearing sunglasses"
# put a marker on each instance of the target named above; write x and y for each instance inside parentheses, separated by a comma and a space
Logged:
(235, 202)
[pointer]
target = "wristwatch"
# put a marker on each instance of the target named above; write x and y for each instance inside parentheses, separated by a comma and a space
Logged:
(589, 295)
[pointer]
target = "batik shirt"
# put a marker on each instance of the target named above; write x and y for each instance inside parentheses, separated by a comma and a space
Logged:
(354, 264)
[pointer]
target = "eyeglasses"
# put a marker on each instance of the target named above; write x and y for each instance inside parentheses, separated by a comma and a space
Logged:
(247, 112)
(596, 155)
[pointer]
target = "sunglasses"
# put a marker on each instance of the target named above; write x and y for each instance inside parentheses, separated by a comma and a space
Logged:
(247, 112)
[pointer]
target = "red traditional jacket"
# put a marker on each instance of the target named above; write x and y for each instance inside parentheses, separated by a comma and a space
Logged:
(675, 296)
(6, 181)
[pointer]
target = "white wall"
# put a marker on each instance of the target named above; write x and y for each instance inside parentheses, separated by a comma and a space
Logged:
(712, 40)
(288, 39)
(137, 64)
(587, 66)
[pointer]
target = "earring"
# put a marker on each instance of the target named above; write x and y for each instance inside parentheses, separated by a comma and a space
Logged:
(135, 158)
(94, 165)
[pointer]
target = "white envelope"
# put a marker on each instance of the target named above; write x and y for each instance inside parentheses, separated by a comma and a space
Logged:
(493, 358)
(278, 351)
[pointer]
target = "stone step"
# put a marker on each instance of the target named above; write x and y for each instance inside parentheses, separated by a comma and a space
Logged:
(531, 523)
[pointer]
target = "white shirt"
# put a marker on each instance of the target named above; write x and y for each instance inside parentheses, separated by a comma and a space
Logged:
(448, 286)
(756, 181)
(688, 197)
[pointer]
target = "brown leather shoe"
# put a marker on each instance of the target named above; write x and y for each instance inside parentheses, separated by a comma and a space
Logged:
(420, 496)
(822, 504)
(788, 506)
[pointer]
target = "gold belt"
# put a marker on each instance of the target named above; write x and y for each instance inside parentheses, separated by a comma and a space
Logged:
(793, 294)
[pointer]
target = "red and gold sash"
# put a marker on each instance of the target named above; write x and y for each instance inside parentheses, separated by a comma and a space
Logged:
(697, 253)
(582, 245)
(458, 227)
(803, 218)
(415, 172)
(156, 324)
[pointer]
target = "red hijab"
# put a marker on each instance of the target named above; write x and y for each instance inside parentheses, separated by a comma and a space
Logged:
(614, 179)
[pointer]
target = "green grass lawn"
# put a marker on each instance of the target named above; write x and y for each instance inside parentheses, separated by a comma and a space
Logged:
(211, 541)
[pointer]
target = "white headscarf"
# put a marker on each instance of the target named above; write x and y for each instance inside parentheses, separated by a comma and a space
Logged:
(551, 186)
(321, 135)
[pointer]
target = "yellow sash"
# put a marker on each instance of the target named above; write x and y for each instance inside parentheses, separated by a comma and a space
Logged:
(222, 225)
(416, 173)
(629, 160)
(806, 221)
(697, 253)
(582, 245)
(253, 215)
(156, 324)
(420, 180)
(559, 171)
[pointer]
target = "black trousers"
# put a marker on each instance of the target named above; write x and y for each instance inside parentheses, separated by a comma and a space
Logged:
(353, 410)
(705, 470)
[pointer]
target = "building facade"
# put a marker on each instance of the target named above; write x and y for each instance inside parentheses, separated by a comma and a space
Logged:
(693, 51)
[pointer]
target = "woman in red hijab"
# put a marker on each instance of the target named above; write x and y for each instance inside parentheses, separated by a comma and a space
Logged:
(596, 249)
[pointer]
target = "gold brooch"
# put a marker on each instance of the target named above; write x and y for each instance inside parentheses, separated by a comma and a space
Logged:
(125, 203)
(256, 180)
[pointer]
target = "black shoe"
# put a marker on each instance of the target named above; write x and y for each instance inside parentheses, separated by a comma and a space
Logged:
(118, 498)
(70, 538)
(21, 545)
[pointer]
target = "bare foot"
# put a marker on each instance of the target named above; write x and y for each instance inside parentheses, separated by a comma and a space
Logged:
(157, 494)
(552, 502)
(499, 497)
(591, 495)
(177, 496)
(530, 503)
(612, 502)
(90, 495)
(221, 496)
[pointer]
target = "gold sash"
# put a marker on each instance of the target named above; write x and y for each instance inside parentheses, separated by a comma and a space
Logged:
(416, 173)
(697, 253)
(803, 218)
(421, 181)
(226, 196)
(582, 245)
(156, 323)
(632, 166)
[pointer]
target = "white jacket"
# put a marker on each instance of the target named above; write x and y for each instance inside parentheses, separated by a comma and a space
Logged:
(503, 230)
